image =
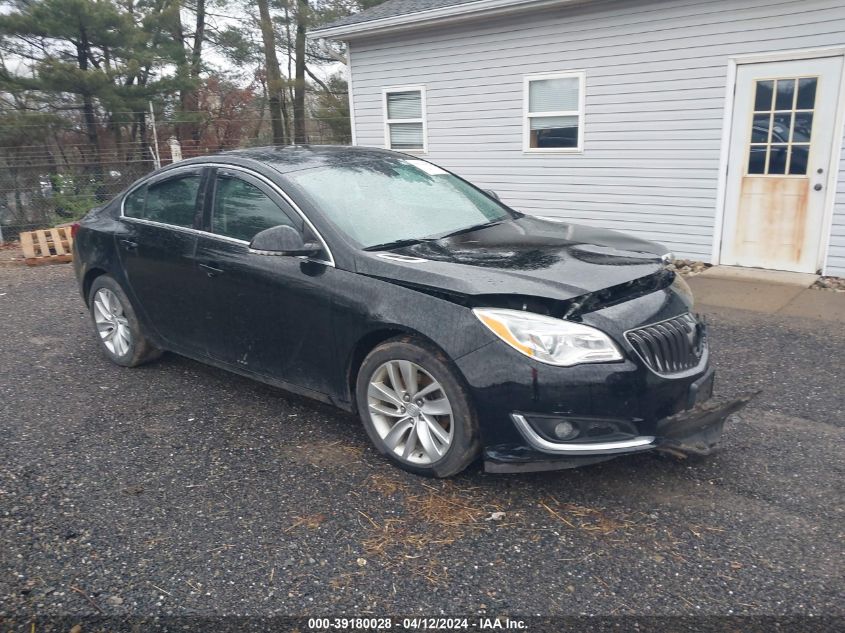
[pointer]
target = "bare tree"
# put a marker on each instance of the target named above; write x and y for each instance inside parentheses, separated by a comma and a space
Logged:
(275, 84)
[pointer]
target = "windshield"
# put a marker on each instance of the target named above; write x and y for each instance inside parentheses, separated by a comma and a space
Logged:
(380, 202)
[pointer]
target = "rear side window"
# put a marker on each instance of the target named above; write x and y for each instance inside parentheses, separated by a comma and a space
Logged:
(242, 210)
(173, 201)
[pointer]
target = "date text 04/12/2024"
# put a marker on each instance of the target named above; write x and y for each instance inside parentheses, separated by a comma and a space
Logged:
(416, 624)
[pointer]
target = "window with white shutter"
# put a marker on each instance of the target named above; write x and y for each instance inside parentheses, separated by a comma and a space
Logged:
(404, 118)
(554, 112)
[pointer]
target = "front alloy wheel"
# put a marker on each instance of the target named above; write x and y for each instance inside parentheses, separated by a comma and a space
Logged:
(416, 408)
(410, 412)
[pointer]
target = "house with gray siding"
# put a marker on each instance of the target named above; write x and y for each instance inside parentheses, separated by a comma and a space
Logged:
(714, 127)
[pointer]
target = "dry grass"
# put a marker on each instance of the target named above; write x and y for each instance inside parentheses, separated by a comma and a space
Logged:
(310, 521)
(439, 516)
(594, 521)
(384, 485)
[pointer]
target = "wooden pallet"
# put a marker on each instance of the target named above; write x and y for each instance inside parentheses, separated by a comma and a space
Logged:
(47, 246)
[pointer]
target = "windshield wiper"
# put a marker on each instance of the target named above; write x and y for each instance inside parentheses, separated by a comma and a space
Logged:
(469, 229)
(408, 241)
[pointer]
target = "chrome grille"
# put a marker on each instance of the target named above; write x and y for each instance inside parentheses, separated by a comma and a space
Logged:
(671, 346)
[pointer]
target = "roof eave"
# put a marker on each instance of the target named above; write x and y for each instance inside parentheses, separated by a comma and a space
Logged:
(420, 19)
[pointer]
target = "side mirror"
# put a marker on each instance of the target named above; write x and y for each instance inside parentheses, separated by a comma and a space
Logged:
(492, 194)
(283, 240)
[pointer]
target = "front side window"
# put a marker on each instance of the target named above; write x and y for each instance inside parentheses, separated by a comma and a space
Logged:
(404, 114)
(381, 201)
(242, 210)
(173, 201)
(554, 113)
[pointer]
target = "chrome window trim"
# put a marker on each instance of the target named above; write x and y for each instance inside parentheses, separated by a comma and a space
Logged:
(185, 229)
(254, 174)
(531, 436)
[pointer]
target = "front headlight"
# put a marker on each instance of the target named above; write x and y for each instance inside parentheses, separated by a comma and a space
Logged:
(549, 340)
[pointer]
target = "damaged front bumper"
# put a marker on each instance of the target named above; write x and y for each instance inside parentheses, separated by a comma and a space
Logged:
(694, 431)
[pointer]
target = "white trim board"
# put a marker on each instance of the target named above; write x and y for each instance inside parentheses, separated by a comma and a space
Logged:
(452, 13)
(724, 150)
(350, 94)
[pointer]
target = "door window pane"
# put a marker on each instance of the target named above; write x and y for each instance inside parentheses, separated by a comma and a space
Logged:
(763, 96)
(781, 123)
(777, 159)
(760, 128)
(785, 93)
(803, 127)
(798, 160)
(806, 93)
(173, 201)
(242, 210)
(757, 159)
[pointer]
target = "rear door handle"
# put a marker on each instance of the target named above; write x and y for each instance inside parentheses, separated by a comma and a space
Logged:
(211, 271)
(129, 245)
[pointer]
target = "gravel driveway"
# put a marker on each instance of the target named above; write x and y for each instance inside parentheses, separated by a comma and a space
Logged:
(177, 488)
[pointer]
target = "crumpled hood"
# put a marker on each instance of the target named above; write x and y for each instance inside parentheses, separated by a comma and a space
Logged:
(527, 256)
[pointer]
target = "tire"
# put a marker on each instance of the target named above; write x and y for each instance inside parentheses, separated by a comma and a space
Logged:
(116, 327)
(389, 379)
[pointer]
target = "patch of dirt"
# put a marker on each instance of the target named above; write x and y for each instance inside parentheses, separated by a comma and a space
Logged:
(10, 253)
(324, 455)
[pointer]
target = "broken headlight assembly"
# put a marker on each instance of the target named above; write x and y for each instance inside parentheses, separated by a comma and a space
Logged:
(549, 340)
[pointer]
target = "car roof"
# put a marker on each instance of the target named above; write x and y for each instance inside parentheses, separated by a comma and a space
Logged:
(291, 158)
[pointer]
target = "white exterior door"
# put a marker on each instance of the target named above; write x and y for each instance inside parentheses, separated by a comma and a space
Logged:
(781, 142)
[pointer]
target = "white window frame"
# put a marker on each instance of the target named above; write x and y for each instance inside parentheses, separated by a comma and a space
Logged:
(388, 121)
(527, 116)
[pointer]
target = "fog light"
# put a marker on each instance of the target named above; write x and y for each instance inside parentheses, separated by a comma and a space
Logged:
(563, 430)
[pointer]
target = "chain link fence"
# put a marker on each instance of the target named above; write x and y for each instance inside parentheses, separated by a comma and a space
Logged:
(53, 174)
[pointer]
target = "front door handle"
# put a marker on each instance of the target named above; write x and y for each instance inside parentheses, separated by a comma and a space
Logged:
(129, 245)
(818, 187)
(211, 271)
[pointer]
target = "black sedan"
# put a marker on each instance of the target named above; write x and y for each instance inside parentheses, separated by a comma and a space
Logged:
(383, 284)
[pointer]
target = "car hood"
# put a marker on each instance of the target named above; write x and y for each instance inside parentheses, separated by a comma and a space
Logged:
(526, 256)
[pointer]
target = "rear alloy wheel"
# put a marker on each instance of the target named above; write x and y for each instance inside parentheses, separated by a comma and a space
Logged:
(416, 410)
(111, 322)
(118, 332)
